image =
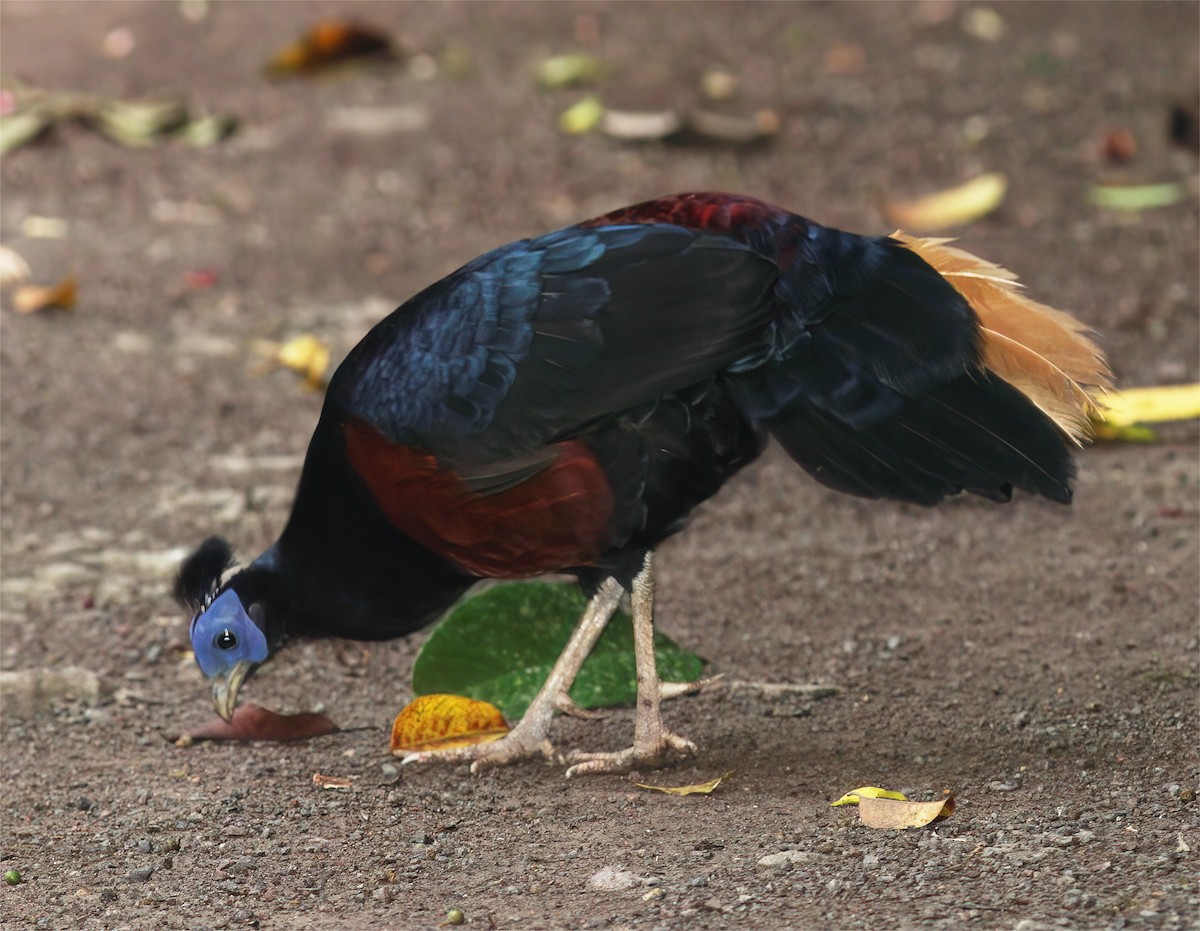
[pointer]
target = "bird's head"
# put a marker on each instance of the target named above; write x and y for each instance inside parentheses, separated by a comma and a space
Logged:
(233, 631)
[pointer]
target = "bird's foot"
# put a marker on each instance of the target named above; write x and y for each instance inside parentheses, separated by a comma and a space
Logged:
(518, 745)
(649, 753)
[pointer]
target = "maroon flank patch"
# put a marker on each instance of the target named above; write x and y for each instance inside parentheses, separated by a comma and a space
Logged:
(714, 213)
(559, 518)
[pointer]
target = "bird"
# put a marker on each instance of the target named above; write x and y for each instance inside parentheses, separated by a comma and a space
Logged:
(563, 403)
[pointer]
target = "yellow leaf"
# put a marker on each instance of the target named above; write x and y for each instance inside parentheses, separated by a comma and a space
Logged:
(703, 788)
(953, 207)
(31, 298)
(582, 117)
(442, 722)
(1149, 405)
(570, 70)
(307, 355)
(891, 814)
(853, 798)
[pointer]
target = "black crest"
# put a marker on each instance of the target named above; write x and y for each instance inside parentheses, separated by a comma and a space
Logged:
(200, 574)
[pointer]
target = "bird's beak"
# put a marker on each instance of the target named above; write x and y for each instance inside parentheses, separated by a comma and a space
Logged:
(225, 688)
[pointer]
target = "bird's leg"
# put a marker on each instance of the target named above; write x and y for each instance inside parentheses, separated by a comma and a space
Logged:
(653, 744)
(530, 737)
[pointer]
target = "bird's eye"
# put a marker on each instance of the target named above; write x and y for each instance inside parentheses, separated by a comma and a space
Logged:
(225, 640)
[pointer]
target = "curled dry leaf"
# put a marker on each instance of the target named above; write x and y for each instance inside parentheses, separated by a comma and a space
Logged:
(703, 788)
(31, 298)
(332, 782)
(952, 207)
(443, 722)
(252, 722)
(895, 815)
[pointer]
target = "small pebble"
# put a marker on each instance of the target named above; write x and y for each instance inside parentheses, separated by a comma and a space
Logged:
(141, 874)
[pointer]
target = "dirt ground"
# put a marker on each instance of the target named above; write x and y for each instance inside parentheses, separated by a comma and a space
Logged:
(1039, 661)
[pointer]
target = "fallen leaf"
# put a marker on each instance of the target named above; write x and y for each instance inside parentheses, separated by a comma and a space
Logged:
(953, 207)
(35, 226)
(570, 70)
(718, 84)
(328, 43)
(1121, 415)
(332, 782)
(703, 788)
(31, 298)
(891, 814)
(13, 267)
(705, 126)
(1136, 196)
(139, 122)
(442, 722)
(984, 23)
(252, 722)
(307, 355)
(581, 117)
(499, 646)
(378, 121)
(21, 127)
(853, 798)
(1118, 146)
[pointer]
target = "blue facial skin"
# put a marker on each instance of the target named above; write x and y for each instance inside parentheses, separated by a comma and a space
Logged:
(224, 635)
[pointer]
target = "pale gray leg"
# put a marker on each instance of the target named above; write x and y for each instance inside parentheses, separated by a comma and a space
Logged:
(653, 744)
(530, 738)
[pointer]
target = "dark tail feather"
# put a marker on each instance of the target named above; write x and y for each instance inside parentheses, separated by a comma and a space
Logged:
(976, 434)
(886, 393)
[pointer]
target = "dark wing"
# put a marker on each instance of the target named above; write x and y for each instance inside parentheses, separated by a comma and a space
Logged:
(531, 343)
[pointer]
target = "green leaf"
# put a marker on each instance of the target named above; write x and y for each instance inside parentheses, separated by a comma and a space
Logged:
(500, 645)
(1137, 196)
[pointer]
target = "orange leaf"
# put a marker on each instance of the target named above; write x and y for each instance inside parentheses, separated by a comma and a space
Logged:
(31, 298)
(331, 42)
(442, 722)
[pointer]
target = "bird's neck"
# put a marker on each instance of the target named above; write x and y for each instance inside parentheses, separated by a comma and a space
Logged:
(349, 572)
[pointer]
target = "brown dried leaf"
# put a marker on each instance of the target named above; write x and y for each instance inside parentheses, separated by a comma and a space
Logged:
(443, 722)
(252, 722)
(332, 782)
(890, 814)
(31, 298)
(703, 788)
